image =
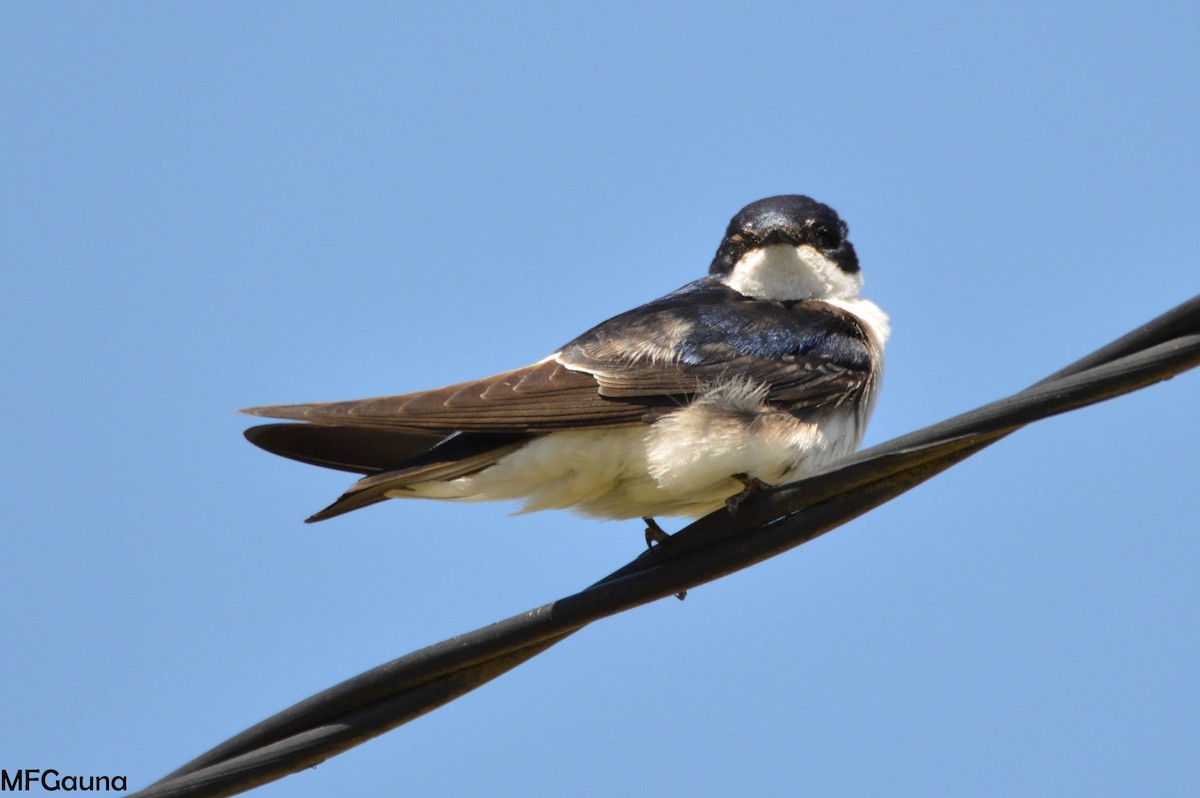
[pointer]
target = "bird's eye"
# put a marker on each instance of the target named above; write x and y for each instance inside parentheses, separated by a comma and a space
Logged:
(825, 238)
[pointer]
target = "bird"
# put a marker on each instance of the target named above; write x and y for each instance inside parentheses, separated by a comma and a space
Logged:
(760, 373)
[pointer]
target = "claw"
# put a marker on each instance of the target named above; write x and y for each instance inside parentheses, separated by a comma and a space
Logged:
(750, 486)
(654, 533)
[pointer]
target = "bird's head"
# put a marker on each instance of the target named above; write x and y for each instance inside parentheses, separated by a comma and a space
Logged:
(785, 248)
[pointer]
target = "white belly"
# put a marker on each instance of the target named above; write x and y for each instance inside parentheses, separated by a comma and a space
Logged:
(680, 465)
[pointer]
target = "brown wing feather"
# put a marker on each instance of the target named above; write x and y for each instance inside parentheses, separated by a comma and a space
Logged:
(544, 397)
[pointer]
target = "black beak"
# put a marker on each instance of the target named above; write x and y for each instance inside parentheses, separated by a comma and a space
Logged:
(777, 236)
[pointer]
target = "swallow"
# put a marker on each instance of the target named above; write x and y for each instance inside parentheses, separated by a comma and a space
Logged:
(761, 372)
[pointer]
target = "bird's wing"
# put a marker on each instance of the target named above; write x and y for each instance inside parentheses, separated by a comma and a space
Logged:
(545, 397)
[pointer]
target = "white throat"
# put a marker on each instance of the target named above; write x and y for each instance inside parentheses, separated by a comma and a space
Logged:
(785, 272)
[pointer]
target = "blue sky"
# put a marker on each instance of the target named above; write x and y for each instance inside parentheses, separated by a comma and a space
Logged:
(211, 206)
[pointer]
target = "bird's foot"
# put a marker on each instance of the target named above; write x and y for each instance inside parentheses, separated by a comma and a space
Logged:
(750, 486)
(655, 535)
